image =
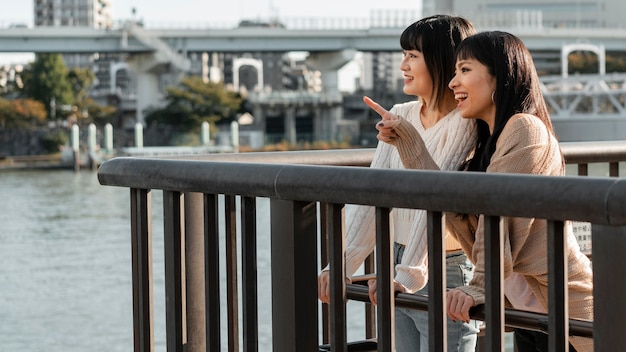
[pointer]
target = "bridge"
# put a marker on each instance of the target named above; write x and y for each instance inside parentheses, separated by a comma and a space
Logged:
(312, 35)
(332, 44)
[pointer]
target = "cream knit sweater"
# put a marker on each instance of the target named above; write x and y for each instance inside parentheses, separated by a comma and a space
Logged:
(449, 142)
(524, 147)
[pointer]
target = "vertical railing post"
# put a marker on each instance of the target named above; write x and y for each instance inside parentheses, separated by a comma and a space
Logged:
(294, 272)
(194, 273)
(385, 298)
(174, 243)
(212, 272)
(324, 260)
(614, 169)
(249, 280)
(437, 317)
(609, 287)
(141, 247)
(232, 289)
(494, 280)
(558, 315)
(337, 252)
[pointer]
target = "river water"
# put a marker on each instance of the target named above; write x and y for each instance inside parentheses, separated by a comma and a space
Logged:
(65, 278)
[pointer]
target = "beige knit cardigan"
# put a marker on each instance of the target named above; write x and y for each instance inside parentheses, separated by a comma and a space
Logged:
(524, 147)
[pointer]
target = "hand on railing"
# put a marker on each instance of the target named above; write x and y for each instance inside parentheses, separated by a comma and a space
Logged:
(323, 286)
(459, 304)
(371, 284)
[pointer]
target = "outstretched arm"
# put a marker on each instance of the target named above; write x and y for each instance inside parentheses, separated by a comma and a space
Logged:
(400, 133)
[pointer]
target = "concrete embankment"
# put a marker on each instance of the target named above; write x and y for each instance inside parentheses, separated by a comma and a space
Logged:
(31, 162)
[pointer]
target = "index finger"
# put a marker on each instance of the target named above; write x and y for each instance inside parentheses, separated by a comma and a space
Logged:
(374, 105)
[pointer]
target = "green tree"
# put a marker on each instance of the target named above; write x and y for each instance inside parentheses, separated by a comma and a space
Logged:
(96, 113)
(85, 108)
(194, 101)
(80, 80)
(48, 82)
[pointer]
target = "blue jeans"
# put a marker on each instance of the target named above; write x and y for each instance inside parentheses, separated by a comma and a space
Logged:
(412, 324)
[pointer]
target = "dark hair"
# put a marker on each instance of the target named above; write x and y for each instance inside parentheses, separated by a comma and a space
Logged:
(517, 86)
(437, 38)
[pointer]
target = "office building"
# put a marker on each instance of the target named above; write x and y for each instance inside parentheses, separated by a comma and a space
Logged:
(73, 13)
(79, 13)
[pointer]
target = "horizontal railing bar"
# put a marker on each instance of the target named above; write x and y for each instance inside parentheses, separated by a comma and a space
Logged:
(593, 152)
(514, 318)
(343, 157)
(593, 199)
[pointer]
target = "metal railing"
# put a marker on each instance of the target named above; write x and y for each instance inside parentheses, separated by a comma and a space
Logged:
(307, 199)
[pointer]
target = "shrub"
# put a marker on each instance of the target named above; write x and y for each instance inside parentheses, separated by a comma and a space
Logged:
(52, 141)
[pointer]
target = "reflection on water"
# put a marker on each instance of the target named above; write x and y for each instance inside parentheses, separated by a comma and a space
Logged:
(65, 280)
(64, 263)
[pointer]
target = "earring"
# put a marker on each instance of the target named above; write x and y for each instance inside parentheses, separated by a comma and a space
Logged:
(492, 97)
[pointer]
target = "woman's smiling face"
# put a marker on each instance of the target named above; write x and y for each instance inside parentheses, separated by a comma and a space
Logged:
(417, 80)
(473, 87)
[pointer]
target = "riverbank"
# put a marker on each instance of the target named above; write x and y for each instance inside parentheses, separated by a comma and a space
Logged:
(34, 162)
(65, 159)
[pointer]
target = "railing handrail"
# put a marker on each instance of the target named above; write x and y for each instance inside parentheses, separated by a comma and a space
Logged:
(597, 200)
(594, 151)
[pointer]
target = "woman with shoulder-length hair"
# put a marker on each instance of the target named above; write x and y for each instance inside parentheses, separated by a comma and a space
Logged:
(428, 47)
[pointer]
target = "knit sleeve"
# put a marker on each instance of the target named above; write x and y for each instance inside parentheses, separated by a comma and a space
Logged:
(412, 148)
(524, 146)
(412, 272)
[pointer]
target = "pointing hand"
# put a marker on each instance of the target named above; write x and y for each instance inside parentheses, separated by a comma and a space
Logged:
(388, 121)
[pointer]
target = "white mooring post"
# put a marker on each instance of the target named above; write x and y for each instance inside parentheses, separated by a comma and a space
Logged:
(138, 135)
(234, 131)
(108, 137)
(206, 137)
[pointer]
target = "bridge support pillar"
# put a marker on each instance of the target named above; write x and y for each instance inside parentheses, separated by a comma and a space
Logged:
(153, 72)
(147, 93)
(329, 64)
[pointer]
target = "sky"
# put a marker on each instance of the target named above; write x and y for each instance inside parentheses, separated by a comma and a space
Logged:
(194, 13)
